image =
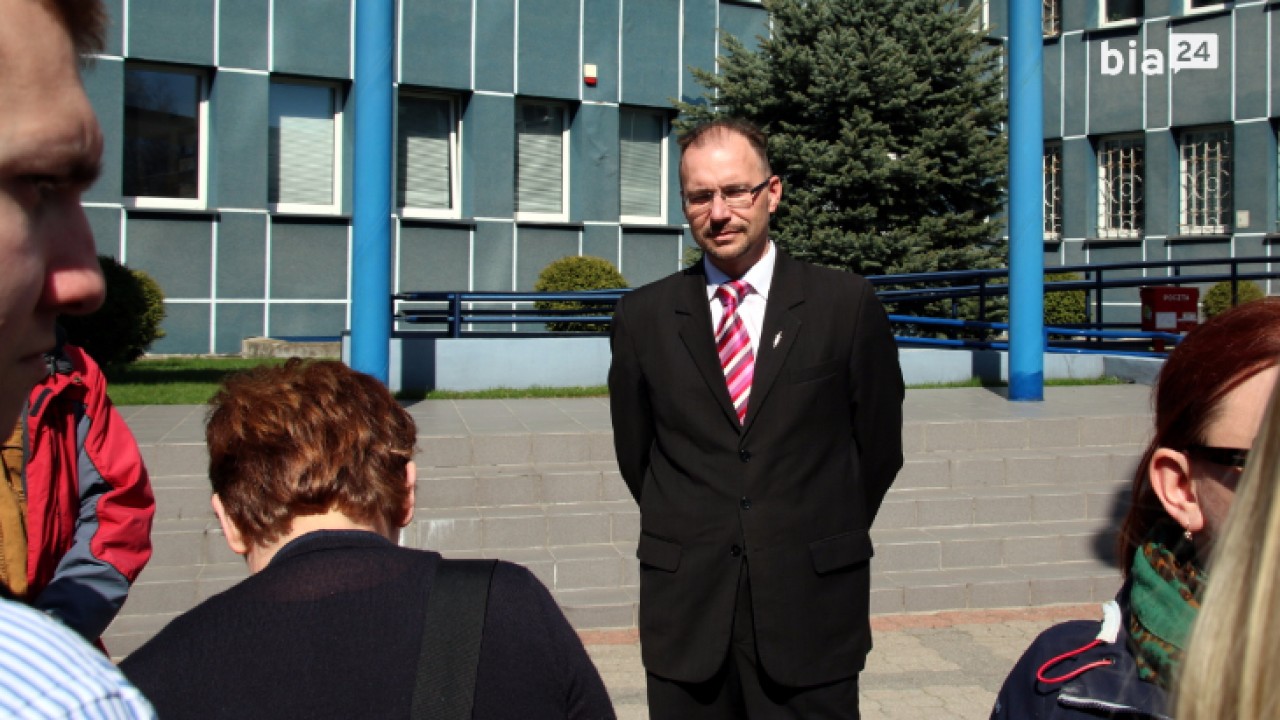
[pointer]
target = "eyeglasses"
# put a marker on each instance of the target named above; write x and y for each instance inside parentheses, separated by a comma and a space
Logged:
(1227, 457)
(735, 196)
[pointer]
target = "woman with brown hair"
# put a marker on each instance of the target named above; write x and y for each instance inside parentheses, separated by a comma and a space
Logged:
(312, 472)
(1209, 402)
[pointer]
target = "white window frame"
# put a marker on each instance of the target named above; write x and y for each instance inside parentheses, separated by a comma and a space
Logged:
(663, 151)
(1052, 168)
(1188, 9)
(199, 202)
(1104, 22)
(455, 173)
(1191, 221)
(1118, 152)
(335, 97)
(563, 215)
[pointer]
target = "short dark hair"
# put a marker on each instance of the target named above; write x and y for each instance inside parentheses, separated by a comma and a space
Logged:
(305, 438)
(747, 129)
(1209, 363)
(85, 20)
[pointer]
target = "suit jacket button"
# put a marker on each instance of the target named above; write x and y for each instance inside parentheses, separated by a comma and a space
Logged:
(745, 503)
(735, 551)
(744, 455)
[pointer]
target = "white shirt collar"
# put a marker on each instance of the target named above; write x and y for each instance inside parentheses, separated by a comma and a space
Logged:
(760, 276)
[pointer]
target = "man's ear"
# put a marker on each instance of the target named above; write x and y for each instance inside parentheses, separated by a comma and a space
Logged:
(411, 481)
(234, 539)
(1170, 477)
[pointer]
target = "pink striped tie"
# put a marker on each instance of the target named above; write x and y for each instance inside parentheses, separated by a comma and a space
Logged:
(734, 346)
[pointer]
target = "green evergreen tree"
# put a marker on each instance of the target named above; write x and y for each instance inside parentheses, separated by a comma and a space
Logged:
(884, 122)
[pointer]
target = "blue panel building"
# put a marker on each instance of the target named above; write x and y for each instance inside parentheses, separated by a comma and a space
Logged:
(525, 131)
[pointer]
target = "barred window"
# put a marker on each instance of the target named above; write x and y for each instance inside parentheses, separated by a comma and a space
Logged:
(1051, 19)
(1120, 192)
(1204, 166)
(1053, 191)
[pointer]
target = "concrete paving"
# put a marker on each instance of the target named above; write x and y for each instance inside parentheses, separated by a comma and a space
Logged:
(940, 666)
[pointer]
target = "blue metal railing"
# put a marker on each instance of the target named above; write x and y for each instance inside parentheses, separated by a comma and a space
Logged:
(463, 312)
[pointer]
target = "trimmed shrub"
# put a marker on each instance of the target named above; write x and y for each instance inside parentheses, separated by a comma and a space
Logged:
(577, 272)
(1064, 307)
(128, 322)
(1218, 299)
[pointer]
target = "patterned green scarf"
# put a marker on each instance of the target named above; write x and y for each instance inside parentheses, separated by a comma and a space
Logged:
(1164, 598)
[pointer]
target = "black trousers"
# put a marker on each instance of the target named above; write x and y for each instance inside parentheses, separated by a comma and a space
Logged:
(741, 689)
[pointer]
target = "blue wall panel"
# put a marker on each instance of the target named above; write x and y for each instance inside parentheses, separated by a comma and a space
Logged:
(1075, 94)
(488, 157)
(176, 251)
(1203, 95)
(495, 67)
(700, 17)
(312, 38)
(1053, 89)
(649, 256)
(1161, 183)
(1157, 94)
(234, 323)
(650, 52)
(494, 255)
(1115, 101)
(548, 42)
(104, 84)
(600, 47)
(1079, 186)
(308, 260)
(601, 241)
(1251, 61)
(113, 39)
(1253, 181)
(538, 247)
(238, 143)
(593, 163)
(171, 30)
(746, 23)
(434, 258)
(435, 48)
(105, 223)
(242, 34)
(308, 320)
(242, 256)
(186, 330)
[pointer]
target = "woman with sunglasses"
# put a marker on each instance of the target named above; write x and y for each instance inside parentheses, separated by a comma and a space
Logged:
(1209, 402)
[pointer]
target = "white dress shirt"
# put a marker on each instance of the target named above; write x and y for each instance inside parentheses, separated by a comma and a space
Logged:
(751, 309)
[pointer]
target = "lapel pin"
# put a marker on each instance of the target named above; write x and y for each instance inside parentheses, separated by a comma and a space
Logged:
(777, 338)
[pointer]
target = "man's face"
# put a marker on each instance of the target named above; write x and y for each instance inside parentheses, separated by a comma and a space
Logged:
(733, 238)
(50, 147)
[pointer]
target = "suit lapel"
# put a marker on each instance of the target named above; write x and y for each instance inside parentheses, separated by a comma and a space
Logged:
(781, 327)
(694, 313)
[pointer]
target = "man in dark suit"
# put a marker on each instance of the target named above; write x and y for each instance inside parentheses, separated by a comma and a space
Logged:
(757, 415)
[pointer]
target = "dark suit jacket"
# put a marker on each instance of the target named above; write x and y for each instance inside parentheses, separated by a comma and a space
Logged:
(794, 490)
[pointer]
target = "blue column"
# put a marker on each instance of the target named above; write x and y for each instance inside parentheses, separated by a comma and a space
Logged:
(1026, 201)
(371, 261)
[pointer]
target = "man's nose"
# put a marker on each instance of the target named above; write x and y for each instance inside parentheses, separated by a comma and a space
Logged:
(719, 208)
(73, 279)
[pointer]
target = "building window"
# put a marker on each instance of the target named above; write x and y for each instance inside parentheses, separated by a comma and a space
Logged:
(541, 161)
(1120, 194)
(1204, 166)
(1051, 18)
(165, 118)
(1053, 192)
(1115, 11)
(643, 152)
(302, 147)
(981, 19)
(1205, 5)
(427, 155)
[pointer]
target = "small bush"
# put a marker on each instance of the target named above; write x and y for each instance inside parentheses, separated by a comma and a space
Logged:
(577, 272)
(1218, 299)
(1064, 307)
(128, 322)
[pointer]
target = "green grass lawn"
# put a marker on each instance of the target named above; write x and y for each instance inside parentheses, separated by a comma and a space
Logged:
(192, 381)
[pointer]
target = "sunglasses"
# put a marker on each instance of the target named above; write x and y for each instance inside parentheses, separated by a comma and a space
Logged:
(1227, 457)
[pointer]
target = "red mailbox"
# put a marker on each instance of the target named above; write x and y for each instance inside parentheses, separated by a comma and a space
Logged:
(1170, 309)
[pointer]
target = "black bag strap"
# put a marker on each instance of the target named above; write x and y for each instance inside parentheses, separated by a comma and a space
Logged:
(453, 627)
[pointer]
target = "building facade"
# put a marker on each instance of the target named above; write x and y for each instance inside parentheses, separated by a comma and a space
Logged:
(1160, 122)
(526, 130)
